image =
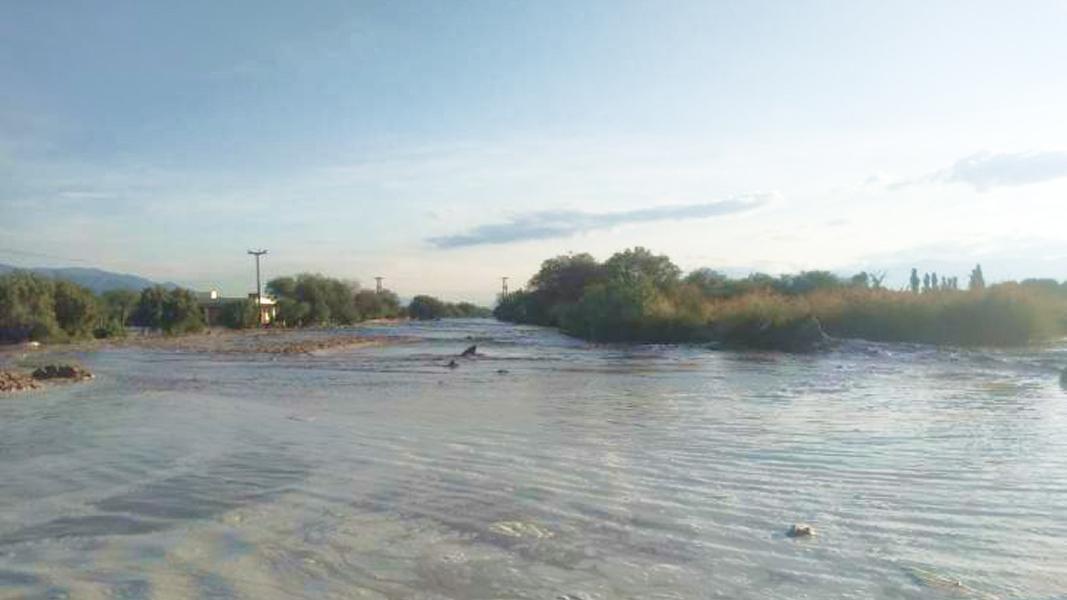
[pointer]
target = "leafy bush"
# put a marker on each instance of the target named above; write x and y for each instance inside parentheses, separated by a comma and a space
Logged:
(312, 299)
(426, 308)
(239, 314)
(27, 307)
(173, 311)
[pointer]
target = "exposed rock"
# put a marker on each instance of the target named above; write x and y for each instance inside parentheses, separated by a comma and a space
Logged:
(469, 352)
(799, 530)
(452, 364)
(11, 381)
(71, 372)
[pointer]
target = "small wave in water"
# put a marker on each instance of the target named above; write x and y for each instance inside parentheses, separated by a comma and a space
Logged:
(543, 468)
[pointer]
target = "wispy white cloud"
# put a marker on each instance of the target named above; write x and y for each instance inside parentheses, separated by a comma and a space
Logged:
(986, 170)
(565, 223)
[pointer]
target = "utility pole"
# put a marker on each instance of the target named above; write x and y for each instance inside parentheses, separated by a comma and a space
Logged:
(259, 293)
(378, 285)
(504, 287)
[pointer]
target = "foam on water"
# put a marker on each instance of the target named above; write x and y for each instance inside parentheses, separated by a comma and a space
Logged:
(581, 472)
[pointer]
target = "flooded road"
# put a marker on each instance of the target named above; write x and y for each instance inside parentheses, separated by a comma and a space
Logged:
(545, 468)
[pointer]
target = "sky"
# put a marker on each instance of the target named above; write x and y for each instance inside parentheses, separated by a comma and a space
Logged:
(443, 145)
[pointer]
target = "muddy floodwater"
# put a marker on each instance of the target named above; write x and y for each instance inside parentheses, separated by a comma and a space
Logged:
(543, 468)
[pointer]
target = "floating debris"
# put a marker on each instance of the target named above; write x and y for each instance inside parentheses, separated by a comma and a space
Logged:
(71, 372)
(799, 530)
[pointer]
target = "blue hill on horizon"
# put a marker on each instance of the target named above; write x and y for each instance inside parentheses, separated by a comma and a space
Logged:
(97, 280)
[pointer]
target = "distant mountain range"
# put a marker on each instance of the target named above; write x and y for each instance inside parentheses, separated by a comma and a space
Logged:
(97, 280)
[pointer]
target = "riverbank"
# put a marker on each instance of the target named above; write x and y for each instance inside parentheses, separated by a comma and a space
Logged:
(636, 296)
(217, 340)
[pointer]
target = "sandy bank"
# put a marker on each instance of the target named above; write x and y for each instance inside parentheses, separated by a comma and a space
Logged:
(227, 341)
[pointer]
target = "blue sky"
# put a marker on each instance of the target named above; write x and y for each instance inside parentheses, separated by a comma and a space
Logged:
(445, 144)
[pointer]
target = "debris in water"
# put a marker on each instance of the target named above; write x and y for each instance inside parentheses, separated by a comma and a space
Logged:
(799, 530)
(72, 372)
(469, 352)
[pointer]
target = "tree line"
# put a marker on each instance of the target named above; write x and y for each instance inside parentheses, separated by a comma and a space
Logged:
(636, 295)
(36, 307)
(312, 299)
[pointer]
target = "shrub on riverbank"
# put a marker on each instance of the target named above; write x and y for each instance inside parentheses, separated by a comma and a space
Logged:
(175, 311)
(34, 307)
(1005, 314)
(239, 314)
(427, 308)
(637, 296)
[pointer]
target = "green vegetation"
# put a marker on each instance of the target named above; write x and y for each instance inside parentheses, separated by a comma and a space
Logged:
(239, 314)
(427, 308)
(36, 307)
(174, 311)
(378, 305)
(312, 299)
(638, 296)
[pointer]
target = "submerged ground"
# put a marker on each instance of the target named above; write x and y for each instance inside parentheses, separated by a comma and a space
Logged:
(547, 468)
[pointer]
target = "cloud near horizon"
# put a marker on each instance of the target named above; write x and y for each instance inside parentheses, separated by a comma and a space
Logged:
(986, 170)
(565, 223)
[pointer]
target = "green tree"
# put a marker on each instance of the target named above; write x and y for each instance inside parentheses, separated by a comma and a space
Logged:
(312, 299)
(27, 307)
(149, 311)
(181, 312)
(806, 282)
(614, 311)
(239, 314)
(425, 308)
(377, 305)
(860, 280)
(120, 305)
(711, 283)
(914, 281)
(76, 309)
(638, 265)
(174, 312)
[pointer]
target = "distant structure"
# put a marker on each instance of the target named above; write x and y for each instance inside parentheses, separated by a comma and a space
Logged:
(259, 289)
(212, 302)
(378, 285)
(504, 287)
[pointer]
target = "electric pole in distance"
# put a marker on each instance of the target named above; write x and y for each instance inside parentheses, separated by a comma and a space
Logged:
(504, 287)
(378, 284)
(259, 293)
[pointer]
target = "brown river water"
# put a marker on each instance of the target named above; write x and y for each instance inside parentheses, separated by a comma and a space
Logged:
(543, 468)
